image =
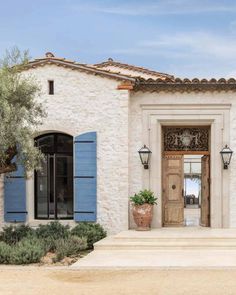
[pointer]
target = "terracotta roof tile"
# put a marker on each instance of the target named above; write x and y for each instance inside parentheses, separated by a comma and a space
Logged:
(111, 62)
(79, 66)
(185, 85)
(163, 82)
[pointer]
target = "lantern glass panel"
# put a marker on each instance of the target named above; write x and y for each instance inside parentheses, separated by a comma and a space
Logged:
(226, 157)
(145, 157)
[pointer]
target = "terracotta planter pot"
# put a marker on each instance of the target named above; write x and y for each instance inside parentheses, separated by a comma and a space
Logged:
(143, 216)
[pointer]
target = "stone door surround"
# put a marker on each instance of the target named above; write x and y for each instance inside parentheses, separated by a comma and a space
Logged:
(217, 116)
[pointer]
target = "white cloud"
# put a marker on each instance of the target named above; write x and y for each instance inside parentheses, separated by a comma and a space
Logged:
(194, 53)
(186, 44)
(204, 44)
(142, 8)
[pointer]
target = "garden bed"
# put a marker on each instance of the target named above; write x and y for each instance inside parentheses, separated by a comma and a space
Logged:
(49, 244)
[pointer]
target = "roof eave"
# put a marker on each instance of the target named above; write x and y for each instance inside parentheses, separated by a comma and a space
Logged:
(185, 85)
(73, 65)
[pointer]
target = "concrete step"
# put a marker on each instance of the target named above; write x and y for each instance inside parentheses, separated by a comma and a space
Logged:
(168, 244)
(170, 239)
(185, 247)
(164, 245)
(183, 232)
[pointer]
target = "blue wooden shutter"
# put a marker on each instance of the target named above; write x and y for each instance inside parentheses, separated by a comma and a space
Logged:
(15, 196)
(85, 177)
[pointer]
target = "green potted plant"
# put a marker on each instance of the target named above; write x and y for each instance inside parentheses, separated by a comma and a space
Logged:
(142, 208)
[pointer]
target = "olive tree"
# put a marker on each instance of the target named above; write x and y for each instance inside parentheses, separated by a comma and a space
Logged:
(20, 114)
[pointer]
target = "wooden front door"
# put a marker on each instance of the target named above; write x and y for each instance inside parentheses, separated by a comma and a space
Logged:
(205, 192)
(173, 200)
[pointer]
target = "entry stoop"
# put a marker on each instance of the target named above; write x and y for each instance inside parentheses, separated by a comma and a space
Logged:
(165, 247)
(170, 238)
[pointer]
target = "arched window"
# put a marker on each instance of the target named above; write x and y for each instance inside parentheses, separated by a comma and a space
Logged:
(54, 183)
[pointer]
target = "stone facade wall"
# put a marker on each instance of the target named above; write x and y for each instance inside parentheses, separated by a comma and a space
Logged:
(83, 102)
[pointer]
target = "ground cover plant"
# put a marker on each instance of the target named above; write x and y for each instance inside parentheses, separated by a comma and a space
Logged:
(24, 245)
(93, 231)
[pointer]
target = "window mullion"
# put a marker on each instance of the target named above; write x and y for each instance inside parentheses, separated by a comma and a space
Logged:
(48, 184)
(54, 186)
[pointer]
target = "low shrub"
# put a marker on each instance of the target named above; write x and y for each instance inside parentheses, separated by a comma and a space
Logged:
(69, 247)
(49, 244)
(5, 253)
(28, 250)
(13, 234)
(92, 231)
(24, 245)
(52, 232)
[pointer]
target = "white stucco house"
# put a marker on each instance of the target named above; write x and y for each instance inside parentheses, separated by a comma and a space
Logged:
(98, 118)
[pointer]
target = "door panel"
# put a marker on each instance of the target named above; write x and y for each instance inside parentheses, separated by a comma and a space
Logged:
(51, 188)
(174, 190)
(173, 201)
(205, 192)
(64, 187)
(54, 188)
(42, 191)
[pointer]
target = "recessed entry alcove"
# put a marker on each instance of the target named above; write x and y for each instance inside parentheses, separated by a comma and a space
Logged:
(186, 176)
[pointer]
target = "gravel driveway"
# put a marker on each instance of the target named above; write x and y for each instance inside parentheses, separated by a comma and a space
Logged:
(53, 281)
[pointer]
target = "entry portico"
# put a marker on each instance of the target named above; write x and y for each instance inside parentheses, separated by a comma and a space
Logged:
(166, 109)
(214, 115)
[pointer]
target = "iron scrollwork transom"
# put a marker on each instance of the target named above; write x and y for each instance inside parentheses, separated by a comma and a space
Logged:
(186, 139)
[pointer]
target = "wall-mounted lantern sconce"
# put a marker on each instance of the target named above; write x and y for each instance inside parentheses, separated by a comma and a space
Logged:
(144, 154)
(226, 155)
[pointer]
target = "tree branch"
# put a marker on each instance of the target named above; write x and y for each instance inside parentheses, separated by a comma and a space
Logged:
(11, 153)
(7, 169)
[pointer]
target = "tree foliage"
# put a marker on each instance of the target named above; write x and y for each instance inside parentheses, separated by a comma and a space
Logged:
(20, 114)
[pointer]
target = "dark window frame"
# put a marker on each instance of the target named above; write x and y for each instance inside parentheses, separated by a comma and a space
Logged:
(51, 87)
(53, 153)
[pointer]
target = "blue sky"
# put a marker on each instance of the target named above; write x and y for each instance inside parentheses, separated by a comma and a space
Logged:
(187, 38)
(192, 187)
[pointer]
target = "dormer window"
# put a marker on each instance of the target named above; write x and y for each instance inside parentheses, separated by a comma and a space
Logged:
(50, 87)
